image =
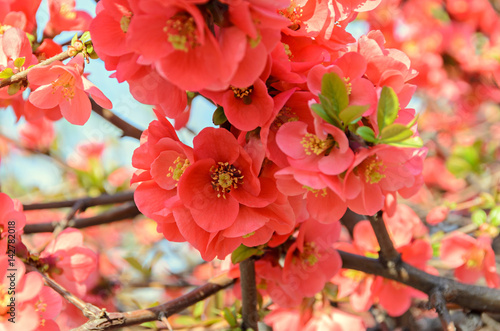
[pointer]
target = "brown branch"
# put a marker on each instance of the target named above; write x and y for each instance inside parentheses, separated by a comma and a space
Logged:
(249, 312)
(119, 320)
(467, 296)
(126, 211)
(388, 255)
(104, 199)
(23, 74)
(437, 301)
(128, 129)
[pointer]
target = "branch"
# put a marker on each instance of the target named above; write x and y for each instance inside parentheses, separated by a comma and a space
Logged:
(104, 199)
(249, 295)
(23, 74)
(437, 301)
(119, 320)
(388, 255)
(468, 296)
(126, 211)
(128, 129)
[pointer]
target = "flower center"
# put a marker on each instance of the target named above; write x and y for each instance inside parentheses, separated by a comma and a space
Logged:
(294, 14)
(284, 116)
(181, 31)
(316, 192)
(4, 301)
(67, 82)
(225, 177)
(125, 22)
(177, 168)
(372, 169)
(474, 258)
(310, 255)
(313, 145)
(67, 12)
(348, 84)
(354, 274)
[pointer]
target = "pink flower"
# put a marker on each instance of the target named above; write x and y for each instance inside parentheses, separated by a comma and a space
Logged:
(70, 262)
(38, 134)
(380, 170)
(12, 221)
(64, 17)
(437, 214)
(471, 258)
(64, 85)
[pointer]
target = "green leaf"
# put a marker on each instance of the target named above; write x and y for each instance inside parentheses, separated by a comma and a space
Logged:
(85, 37)
(229, 317)
(6, 73)
(388, 107)
(413, 121)
(135, 264)
(352, 114)
(219, 118)
(243, 252)
(13, 88)
(198, 308)
(366, 133)
(333, 88)
(318, 109)
(395, 132)
(329, 109)
(75, 38)
(19, 62)
(413, 142)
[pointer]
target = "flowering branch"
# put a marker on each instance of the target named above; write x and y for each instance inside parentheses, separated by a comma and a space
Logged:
(23, 74)
(468, 296)
(113, 320)
(438, 302)
(249, 295)
(126, 211)
(128, 129)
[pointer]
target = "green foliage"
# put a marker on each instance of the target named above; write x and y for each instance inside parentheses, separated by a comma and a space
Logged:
(465, 160)
(388, 107)
(352, 114)
(219, 117)
(243, 252)
(366, 133)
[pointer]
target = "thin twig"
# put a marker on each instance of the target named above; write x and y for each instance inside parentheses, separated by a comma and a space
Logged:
(249, 312)
(437, 301)
(128, 129)
(86, 202)
(126, 211)
(119, 320)
(23, 74)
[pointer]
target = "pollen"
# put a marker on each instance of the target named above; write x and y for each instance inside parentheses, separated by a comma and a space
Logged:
(348, 84)
(313, 145)
(225, 177)
(317, 192)
(242, 92)
(181, 32)
(285, 115)
(4, 300)
(177, 168)
(67, 12)
(294, 14)
(373, 169)
(67, 83)
(310, 255)
(125, 22)
(474, 258)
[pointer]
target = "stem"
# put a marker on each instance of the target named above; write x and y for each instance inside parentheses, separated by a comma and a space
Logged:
(249, 295)
(23, 74)
(104, 199)
(128, 129)
(119, 320)
(389, 256)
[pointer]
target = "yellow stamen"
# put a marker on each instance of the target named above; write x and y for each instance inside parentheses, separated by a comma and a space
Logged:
(181, 32)
(313, 145)
(225, 177)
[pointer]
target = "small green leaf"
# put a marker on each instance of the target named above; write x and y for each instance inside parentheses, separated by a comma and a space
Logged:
(352, 114)
(329, 109)
(13, 88)
(395, 132)
(366, 133)
(318, 109)
(135, 264)
(85, 37)
(333, 88)
(243, 252)
(413, 142)
(198, 309)
(413, 121)
(479, 217)
(388, 107)
(6, 73)
(75, 38)
(219, 118)
(19, 62)
(229, 317)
